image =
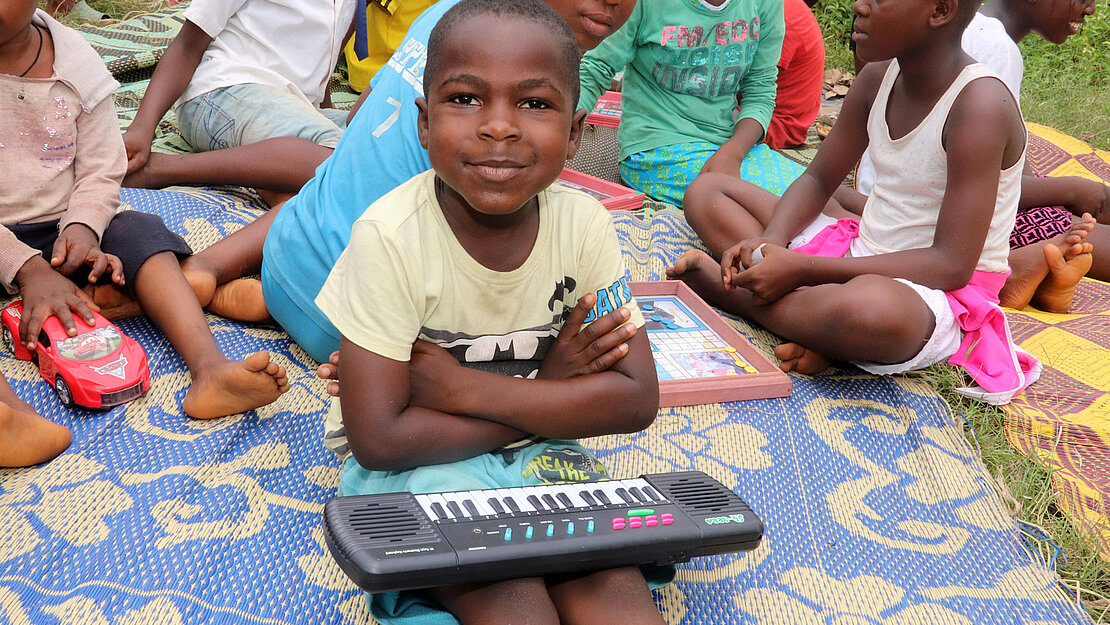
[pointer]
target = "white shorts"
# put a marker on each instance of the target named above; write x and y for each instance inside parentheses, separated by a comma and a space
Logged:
(947, 334)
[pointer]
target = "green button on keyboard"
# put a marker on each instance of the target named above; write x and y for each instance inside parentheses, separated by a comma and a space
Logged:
(641, 512)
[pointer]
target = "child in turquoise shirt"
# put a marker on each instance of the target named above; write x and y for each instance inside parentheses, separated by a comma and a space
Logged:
(688, 63)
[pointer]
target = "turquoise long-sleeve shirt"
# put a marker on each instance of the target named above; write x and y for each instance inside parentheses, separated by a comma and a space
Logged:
(686, 65)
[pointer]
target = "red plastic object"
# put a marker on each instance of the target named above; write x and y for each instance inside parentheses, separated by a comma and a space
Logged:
(612, 196)
(99, 368)
(607, 111)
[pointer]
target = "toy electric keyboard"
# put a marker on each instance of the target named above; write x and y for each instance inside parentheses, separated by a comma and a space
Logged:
(400, 541)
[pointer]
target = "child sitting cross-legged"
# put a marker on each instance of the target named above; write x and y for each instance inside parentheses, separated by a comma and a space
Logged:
(451, 299)
(916, 279)
(63, 160)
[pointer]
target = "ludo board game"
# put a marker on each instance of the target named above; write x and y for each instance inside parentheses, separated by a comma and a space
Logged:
(699, 357)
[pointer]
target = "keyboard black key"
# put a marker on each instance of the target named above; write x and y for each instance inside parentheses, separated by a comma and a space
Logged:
(440, 513)
(512, 504)
(455, 509)
(471, 508)
(652, 495)
(602, 497)
(637, 495)
(588, 498)
(496, 505)
(535, 501)
(623, 494)
(550, 502)
(567, 503)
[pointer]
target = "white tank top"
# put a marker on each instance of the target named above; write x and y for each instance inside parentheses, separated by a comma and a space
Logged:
(911, 176)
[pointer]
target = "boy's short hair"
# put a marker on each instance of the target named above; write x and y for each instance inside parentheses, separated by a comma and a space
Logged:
(534, 10)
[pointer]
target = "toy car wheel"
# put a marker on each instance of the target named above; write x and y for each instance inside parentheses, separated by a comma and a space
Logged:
(6, 339)
(64, 394)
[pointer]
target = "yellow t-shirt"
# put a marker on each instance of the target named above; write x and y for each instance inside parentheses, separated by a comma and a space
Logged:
(385, 29)
(405, 276)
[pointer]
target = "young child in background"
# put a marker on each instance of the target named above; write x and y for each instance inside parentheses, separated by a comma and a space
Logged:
(801, 77)
(916, 280)
(1042, 264)
(245, 72)
(687, 62)
(58, 225)
(450, 297)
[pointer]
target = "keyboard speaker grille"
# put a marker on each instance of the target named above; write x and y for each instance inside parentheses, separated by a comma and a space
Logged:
(380, 522)
(698, 495)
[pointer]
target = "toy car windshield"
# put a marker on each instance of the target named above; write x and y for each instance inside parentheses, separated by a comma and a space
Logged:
(90, 345)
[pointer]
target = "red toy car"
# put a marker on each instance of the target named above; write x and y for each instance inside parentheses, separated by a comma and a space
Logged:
(99, 368)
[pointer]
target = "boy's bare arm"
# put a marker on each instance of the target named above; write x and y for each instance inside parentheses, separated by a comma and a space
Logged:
(171, 77)
(728, 157)
(1077, 194)
(434, 410)
(388, 431)
(624, 398)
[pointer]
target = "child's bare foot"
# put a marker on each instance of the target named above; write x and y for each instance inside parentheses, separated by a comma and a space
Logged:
(794, 357)
(231, 387)
(240, 299)
(700, 272)
(1065, 269)
(114, 304)
(1029, 266)
(27, 439)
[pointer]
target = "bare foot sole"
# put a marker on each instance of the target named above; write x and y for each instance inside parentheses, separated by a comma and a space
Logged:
(794, 357)
(1030, 266)
(114, 304)
(233, 387)
(28, 439)
(1065, 270)
(240, 299)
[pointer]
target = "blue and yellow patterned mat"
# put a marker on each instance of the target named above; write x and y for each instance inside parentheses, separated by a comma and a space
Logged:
(877, 509)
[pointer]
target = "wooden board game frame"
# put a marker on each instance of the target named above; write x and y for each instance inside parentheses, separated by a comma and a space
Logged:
(768, 382)
(612, 196)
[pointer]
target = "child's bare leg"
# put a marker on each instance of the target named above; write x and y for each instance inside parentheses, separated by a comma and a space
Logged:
(1030, 266)
(724, 210)
(871, 318)
(220, 387)
(223, 263)
(25, 437)
(604, 597)
(278, 164)
(523, 601)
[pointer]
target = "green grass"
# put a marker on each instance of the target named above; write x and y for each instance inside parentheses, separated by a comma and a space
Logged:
(1066, 87)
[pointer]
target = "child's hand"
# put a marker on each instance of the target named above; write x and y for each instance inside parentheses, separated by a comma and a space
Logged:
(138, 150)
(743, 255)
(578, 351)
(46, 292)
(432, 372)
(780, 272)
(76, 246)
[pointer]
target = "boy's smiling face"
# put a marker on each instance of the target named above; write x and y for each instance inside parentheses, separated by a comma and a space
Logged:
(499, 122)
(1056, 20)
